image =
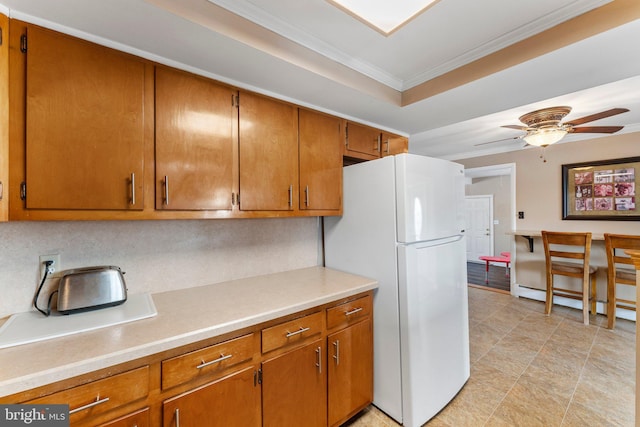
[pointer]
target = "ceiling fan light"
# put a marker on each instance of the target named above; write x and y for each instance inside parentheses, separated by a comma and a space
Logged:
(544, 137)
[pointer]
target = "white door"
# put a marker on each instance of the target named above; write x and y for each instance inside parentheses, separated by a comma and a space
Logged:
(479, 226)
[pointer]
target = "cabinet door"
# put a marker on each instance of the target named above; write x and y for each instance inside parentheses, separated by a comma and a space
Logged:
(84, 124)
(195, 142)
(294, 388)
(350, 371)
(362, 141)
(230, 401)
(137, 419)
(4, 117)
(268, 153)
(394, 144)
(320, 161)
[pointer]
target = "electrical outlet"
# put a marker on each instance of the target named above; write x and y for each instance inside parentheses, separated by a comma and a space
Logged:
(53, 268)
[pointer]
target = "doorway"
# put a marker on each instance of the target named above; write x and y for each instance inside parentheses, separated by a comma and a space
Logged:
(479, 226)
(494, 186)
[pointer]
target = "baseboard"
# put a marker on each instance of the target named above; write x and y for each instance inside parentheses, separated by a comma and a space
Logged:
(487, 288)
(538, 295)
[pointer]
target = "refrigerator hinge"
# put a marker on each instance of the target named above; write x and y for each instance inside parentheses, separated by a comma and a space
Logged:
(23, 43)
(23, 190)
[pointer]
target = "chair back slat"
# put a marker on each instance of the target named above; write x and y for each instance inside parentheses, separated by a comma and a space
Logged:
(563, 254)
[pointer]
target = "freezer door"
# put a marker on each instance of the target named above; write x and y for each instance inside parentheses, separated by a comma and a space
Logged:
(434, 326)
(430, 198)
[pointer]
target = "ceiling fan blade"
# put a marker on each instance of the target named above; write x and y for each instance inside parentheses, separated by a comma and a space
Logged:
(597, 116)
(514, 127)
(596, 129)
(497, 140)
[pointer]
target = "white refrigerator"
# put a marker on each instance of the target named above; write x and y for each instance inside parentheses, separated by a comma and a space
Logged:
(403, 225)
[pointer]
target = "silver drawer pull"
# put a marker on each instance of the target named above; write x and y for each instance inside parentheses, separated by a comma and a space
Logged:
(89, 405)
(354, 311)
(133, 188)
(177, 413)
(166, 190)
(319, 359)
(218, 360)
(301, 330)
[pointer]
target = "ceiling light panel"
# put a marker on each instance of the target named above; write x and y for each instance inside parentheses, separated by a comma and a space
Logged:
(383, 15)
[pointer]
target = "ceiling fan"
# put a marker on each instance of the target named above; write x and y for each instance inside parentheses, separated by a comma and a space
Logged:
(544, 127)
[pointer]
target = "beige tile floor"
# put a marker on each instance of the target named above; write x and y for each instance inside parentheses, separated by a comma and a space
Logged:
(528, 369)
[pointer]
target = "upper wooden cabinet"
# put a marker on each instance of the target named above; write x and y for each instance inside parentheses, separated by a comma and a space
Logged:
(362, 141)
(196, 122)
(393, 144)
(268, 144)
(320, 160)
(84, 124)
(4, 116)
(91, 133)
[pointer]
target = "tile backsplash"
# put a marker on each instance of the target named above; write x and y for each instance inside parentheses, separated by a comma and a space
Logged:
(156, 255)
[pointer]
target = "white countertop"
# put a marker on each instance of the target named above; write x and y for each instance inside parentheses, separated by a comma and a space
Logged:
(184, 316)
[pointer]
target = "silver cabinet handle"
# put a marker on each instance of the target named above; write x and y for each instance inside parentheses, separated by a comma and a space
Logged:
(319, 358)
(299, 331)
(354, 311)
(133, 188)
(336, 356)
(177, 417)
(166, 190)
(97, 402)
(388, 146)
(218, 360)
(291, 195)
(306, 196)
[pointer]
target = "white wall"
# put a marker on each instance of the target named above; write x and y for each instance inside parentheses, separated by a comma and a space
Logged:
(156, 255)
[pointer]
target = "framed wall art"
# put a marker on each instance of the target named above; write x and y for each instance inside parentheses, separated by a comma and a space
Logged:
(601, 190)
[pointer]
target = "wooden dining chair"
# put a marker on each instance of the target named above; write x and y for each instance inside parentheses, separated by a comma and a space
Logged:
(567, 254)
(620, 271)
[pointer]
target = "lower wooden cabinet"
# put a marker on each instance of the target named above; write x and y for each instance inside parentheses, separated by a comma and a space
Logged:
(136, 419)
(350, 367)
(312, 368)
(89, 401)
(230, 401)
(294, 388)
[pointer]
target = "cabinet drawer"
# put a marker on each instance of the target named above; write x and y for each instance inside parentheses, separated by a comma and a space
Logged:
(349, 312)
(136, 419)
(207, 362)
(100, 396)
(294, 331)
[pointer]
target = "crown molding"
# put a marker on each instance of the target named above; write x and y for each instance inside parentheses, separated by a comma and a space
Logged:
(264, 19)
